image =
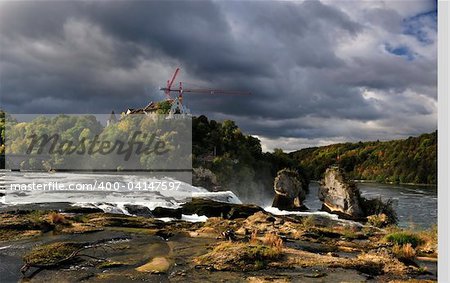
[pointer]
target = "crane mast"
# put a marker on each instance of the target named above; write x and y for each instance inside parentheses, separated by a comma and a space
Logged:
(177, 101)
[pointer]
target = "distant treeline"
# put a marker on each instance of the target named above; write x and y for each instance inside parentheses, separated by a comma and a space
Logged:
(240, 165)
(412, 160)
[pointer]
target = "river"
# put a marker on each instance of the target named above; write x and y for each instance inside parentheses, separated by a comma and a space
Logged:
(415, 205)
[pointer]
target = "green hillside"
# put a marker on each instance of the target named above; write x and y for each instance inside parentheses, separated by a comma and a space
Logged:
(239, 162)
(412, 160)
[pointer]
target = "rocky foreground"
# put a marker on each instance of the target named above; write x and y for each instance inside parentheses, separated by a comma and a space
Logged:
(238, 243)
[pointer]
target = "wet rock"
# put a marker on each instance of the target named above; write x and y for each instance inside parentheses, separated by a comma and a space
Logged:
(165, 234)
(212, 208)
(339, 195)
(167, 212)
(26, 220)
(120, 220)
(138, 210)
(82, 210)
(110, 264)
(289, 191)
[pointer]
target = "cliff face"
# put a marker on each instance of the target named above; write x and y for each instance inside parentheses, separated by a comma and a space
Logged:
(340, 195)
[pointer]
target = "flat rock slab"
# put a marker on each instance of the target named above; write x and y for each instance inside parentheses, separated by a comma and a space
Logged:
(156, 265)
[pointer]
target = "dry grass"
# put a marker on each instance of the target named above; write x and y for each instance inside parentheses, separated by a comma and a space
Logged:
(308, 222)
(378, 220)
(424, 242)
(57, 218)
(254, 237)
(274, 241)
(239, 256)
(430, 236)
(405, 251)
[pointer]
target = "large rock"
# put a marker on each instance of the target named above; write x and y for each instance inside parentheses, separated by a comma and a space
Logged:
(339, 195)
(138, 210)
(210, 208)
(205, 178)
(167, 212)
(289, 192)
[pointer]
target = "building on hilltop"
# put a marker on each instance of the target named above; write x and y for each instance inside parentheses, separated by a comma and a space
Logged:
(150, 108)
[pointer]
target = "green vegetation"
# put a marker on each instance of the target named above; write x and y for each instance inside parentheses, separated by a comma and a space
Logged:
(413, 160)
(73, 142)
(51, 253)
(403, 238)
(238, 161)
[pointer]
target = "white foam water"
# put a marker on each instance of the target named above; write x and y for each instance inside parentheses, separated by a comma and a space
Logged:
(110, 201)
(334, 217)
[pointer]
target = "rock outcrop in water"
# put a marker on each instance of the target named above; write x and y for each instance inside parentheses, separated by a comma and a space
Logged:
(289, 192)
(340, 195)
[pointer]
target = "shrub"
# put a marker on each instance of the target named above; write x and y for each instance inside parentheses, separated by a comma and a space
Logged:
(377, 207)
(403, 238)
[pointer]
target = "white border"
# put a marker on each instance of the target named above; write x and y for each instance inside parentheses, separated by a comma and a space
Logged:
(443, 141)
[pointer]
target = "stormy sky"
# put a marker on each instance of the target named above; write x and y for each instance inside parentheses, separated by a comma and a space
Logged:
(319, 72)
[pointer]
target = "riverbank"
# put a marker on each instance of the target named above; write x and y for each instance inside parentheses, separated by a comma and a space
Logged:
(242, 243)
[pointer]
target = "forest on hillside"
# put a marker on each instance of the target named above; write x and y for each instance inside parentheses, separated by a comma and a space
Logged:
(411, 160)
(239, 163)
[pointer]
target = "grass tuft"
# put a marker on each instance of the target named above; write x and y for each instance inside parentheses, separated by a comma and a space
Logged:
(403, 238)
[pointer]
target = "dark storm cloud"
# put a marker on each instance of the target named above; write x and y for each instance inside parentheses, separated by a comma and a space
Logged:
(308, 64)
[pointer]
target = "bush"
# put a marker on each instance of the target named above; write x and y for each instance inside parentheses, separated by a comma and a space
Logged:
(378, 207)
(403, 238)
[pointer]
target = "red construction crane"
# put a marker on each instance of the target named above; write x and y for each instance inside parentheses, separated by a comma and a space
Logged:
(180, 90)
